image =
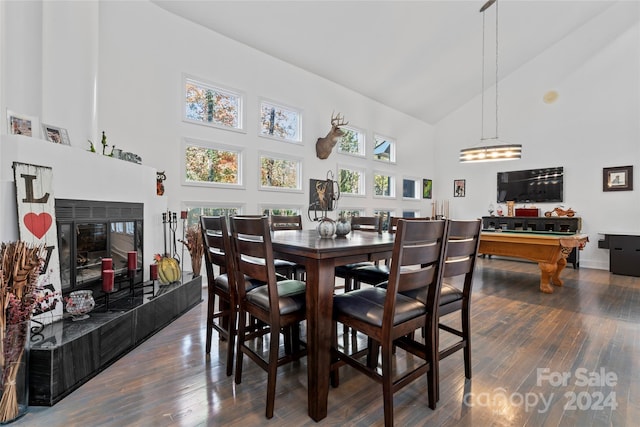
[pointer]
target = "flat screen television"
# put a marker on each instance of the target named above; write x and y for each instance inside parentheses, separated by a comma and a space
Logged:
(533, 185)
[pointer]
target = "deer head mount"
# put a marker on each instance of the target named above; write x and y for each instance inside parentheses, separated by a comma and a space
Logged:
(326, 144)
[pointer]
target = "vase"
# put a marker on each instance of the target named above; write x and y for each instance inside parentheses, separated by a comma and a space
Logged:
(14, 392)
(196, 265)
(80, 303)
(343, 227)
(326, 228)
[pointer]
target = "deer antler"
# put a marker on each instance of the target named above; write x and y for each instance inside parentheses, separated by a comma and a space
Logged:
(326, 144)
(337, 120)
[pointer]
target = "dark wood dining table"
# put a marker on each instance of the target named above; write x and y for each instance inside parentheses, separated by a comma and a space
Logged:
(320, 256)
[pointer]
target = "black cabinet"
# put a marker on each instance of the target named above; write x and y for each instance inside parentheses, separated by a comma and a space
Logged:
(556, 224)
(624, 253)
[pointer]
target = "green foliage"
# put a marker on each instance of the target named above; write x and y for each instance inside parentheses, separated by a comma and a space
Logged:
(210, 165)
(349, 181)
(279, 173)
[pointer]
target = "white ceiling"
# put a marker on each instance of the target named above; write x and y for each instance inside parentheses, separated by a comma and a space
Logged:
(420, 57)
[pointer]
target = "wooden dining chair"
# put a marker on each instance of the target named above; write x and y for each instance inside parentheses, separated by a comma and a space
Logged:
(280, 304)
(388, 317)
(218, 253)
(288, 222)
(358, 224)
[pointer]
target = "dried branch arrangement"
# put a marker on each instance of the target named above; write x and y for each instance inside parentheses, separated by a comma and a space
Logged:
(19, 272)
(193, 242)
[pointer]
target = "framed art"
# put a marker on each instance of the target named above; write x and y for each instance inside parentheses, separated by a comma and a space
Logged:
(55, 134)
(617, 179)
(427, 188)
(21, 124)
(459, 187)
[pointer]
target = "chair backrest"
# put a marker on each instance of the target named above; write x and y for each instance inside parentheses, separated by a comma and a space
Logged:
(463, 241)
(417, 263)
(286, 222)
(251, 241)
(366, 223)
(393, 221)
(217, 246)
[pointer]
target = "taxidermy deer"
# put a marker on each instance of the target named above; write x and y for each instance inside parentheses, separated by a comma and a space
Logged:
(326, 144)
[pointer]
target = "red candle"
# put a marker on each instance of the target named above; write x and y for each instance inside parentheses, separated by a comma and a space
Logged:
(107, 264)
(183, 214)
(107, 280)
(132, 258)
(153, 271)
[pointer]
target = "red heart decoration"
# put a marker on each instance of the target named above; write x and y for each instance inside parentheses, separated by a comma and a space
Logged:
(38, 224)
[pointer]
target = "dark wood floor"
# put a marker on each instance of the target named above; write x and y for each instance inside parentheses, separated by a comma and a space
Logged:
(588, 327)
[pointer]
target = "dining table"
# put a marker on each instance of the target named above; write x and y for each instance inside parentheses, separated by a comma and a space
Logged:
(320, 256)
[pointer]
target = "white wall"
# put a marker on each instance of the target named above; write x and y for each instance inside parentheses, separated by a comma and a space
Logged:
(595, 123)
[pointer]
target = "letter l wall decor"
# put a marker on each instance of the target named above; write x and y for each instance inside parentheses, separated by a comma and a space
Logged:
(37, 225)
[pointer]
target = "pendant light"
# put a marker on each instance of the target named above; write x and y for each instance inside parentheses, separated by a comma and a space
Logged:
(498, 150)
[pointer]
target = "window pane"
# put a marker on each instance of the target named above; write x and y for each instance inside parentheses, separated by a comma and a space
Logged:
(279, 122)
(211, 105)
(279, 173)
(352, 141)
(351, 181)
(194, 213)
(211, 165)
(382, 185)
(384, 149)
(409, 188)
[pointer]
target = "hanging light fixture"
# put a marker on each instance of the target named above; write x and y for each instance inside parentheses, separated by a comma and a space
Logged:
(498, 150)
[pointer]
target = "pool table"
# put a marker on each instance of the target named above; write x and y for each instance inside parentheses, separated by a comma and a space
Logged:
(549, 249)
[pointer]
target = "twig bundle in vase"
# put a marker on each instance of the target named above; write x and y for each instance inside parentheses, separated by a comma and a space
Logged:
(18, 275)
(193, 243)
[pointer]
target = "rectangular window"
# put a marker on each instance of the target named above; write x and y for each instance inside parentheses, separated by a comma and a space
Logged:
(384, 149)
(212, 105)
(384, 215)
(350, 212)
(281, 210)
(280, 122)
(195, 210)
(411, 188)
(278, 172)
(383, 185)
(352, 142)
(211, 163)
(351, 180)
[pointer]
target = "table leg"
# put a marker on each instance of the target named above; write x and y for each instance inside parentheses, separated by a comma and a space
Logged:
(320, 286)
(547, 270)
(555, 279)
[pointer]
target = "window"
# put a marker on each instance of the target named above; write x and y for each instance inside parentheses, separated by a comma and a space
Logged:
(207, 163)
(280, 122)
(384, 149)
(280, 211)
(351, 180)
(383, 185)
(212, 105)
(411, 188)
(410, 213)
(279, 172)
(350, 212)
(352, 142)
(385, 216)
(196, 209)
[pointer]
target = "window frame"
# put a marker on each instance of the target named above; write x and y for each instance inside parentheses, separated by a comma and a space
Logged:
(417, 184)
(212, 145)
(299, 139)
(362, 143)
(189, 205)
(187, 78)
(279, 156)
(392, 152)
(392, 185)
(363, 179)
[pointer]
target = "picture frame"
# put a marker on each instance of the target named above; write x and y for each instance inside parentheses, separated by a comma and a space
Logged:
(427, 188)
(22, 124)
(321, 195)
(459, 187)
(55, 134)
(617, 178)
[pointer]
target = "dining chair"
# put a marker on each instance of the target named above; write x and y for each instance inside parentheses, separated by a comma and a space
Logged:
(288, 222)
(358, 224)
(218, 253)
(388, 317)
(280, 304)
(373, 274)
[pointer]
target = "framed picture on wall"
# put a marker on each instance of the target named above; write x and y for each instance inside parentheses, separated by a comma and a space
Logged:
(55, 134)
(617, 179)
(427, 188)
(21, 124)
(459, 187)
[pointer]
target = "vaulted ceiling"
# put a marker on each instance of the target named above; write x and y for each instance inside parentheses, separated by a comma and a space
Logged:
(420, 57)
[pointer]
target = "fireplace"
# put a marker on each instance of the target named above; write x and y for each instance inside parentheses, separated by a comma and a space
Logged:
(91, 230)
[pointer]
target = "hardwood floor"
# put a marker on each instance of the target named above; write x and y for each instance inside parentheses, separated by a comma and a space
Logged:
(589, 327)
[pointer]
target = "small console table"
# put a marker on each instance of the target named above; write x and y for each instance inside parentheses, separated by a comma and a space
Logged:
(624, 252)
(557, 224)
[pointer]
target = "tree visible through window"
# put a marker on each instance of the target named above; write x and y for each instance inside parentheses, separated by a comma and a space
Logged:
(383, 185)
(211, 105)
(279, 173)
(203, 164)
(351, 181)
(352, 142)
(279, 122)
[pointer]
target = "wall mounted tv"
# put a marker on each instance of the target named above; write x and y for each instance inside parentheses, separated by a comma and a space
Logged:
(534, 185)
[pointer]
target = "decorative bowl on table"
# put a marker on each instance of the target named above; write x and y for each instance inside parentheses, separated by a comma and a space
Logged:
(80, 303)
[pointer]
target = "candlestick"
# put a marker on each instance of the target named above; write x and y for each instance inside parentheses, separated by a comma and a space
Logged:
(153, 271)
(132, 260)
(107, 264)
(108, 277)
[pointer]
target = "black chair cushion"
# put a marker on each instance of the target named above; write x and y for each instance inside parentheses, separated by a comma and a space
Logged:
(367, 305)
(281, 263)
(372, 274)
(344, 270)
(222, 282)
(291, 292)
(448, 293)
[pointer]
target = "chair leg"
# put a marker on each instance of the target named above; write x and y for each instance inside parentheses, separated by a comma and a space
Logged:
(387, 386)
(239, 353)
(335, 371)
(272, 371)
(466, 336)
(211, 301)
(231, 331)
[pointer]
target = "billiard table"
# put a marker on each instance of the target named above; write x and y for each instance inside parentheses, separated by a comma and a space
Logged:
(549, 249)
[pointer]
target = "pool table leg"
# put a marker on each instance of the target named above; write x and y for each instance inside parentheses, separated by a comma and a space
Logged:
(555, 279)
(547, 270)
